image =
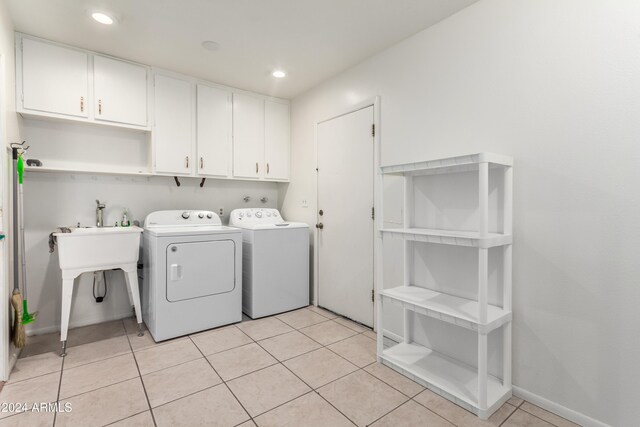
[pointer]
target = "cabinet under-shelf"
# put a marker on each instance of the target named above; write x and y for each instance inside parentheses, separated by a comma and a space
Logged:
(448, 308)
(85, 170)
(446, 376)
(450, 237)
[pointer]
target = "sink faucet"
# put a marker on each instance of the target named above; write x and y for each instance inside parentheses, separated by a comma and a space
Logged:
(99, 209)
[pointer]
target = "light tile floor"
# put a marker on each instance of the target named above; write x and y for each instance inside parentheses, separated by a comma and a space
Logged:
(307, 367)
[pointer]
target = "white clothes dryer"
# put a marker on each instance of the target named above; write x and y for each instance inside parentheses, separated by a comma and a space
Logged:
(192, 273)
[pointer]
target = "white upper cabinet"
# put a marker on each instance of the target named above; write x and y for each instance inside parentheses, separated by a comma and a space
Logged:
(174, 123)
(213, 131)
(54, 79)
(120, 91)
(276, 140)
(248, 136)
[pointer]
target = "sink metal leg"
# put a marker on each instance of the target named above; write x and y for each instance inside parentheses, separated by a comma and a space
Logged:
(67, 294)
(140, 330)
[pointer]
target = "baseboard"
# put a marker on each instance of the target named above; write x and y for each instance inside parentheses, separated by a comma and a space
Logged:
(557, 409)
(79, 323)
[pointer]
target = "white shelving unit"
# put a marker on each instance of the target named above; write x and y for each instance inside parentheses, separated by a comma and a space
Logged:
(470, 387)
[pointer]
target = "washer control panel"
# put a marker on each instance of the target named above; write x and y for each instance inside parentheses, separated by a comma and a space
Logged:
(254, 216)
(176, 218)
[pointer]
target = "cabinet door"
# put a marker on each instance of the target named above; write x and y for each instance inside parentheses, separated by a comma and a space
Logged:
(276, 140)
(248, 136)
(54, 79)
(213, 131)
(173, 132)
(120, 91)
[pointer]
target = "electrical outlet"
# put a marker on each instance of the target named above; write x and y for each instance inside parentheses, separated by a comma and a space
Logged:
(221, 212)
(305, 203)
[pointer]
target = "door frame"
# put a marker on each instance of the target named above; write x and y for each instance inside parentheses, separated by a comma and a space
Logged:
(377, 197)
(6, 347)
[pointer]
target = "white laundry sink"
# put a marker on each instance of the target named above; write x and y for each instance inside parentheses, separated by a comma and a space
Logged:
(98, 248)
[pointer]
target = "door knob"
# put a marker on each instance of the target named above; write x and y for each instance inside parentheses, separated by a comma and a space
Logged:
(321, 212)
(320, 225)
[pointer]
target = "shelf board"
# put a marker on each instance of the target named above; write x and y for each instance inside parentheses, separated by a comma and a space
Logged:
(456, 164)
(448, 308)
(450, 237)
(446, 376)
(68, 170)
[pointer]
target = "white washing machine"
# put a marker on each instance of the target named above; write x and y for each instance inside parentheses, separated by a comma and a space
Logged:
(192, 273)
(275, 272)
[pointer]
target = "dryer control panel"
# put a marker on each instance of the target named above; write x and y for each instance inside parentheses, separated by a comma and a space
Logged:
(254, 216)
(177, 218)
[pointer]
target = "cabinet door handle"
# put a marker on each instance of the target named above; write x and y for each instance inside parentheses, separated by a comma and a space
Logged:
(256, 167)
(100, 106)
(82, 104)
(187, 161)
(267, 168)
(201, 163)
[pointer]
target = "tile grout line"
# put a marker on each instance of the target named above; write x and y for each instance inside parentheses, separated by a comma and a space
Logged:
(251, 418)
(342, 357)
(153, 418)
(73, 367)
(130, 416)
(511, 414)
(225, 384)
(312, 390)
(534, 415)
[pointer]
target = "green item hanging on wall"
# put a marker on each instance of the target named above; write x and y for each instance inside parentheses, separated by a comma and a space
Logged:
(26, 316)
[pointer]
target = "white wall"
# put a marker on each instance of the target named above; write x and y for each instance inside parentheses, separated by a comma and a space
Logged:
(53, 200)
(556, 85)
(9, 132)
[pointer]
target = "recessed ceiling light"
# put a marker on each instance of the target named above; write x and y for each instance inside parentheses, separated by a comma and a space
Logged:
(103, 18)
(278, 74)
(210, 45)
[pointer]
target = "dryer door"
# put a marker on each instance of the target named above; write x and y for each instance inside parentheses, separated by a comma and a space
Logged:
(200, 269)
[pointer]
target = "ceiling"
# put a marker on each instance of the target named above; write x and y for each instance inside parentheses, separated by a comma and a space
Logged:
(311, 39)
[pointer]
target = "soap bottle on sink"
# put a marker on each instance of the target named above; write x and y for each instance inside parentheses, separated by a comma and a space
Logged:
(125, 220)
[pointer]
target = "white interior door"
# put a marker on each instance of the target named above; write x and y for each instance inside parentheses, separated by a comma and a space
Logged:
(345, 208)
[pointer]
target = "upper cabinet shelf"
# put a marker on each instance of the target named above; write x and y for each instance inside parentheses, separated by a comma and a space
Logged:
(448, 165)
(196, 128)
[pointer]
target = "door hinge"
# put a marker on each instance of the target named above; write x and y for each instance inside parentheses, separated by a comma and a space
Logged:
(373, 295)
(373, 213)
(373, 129)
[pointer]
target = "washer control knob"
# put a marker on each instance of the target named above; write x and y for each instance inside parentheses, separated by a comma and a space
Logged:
(209, 215)
(248, 214)
(201, 215)
(186, 215)
(240, 214)
(258, 214)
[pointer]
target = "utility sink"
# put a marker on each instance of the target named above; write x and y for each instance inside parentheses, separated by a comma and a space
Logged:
(90, 249)
(98, 248)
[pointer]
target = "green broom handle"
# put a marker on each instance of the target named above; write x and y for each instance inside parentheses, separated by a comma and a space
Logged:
(16, 279)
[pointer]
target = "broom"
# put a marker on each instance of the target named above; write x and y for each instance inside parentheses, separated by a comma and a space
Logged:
(26, 316)
(19, 336)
